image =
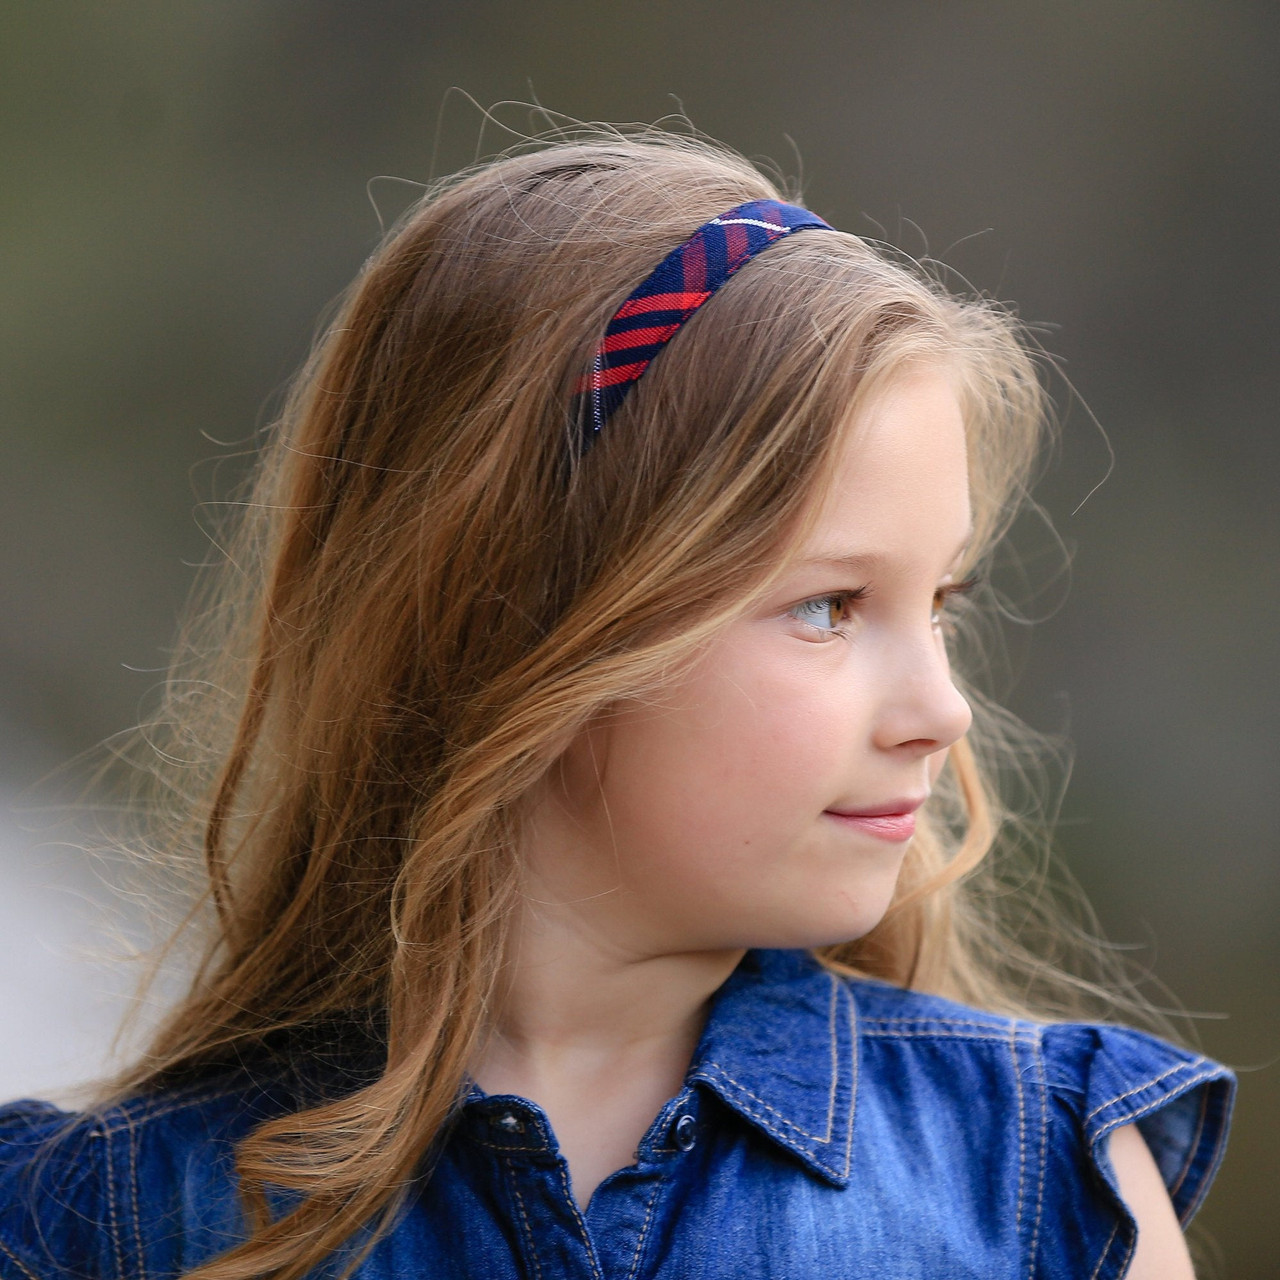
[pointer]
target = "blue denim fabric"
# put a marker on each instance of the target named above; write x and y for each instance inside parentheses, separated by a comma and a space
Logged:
(827, 1128)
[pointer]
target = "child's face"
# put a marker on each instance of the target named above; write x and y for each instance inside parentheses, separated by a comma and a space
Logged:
(704, 820)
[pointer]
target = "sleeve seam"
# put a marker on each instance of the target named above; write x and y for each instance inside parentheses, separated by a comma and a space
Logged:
(1106, 1253)
(124, 1117)
(1044, 1149)
(108, 1183)
(995, 1037)
(1194, 1145)
(1127, 1117)
(1147, 1084)
(17, 1262)
(133, 1198)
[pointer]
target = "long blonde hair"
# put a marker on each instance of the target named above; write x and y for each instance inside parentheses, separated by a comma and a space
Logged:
(430, 593)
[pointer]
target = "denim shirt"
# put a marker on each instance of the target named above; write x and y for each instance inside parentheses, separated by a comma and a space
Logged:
(826, 1128)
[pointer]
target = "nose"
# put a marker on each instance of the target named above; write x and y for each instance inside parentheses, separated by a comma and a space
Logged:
(922, 711)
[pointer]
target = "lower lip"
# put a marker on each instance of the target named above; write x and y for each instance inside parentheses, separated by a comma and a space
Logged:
(885, 826)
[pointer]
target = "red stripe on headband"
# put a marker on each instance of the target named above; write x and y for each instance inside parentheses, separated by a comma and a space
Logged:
(661, 302)
(638, 337)
(610, 377)
(695, 264)
(737, 243)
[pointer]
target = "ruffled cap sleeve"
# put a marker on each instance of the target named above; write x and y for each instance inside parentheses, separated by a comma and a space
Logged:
(53, 1211)
(1101, 1077)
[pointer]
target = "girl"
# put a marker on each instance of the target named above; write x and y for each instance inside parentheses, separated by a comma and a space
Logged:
(597, 857)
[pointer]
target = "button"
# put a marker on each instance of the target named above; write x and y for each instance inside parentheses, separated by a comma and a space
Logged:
(508, 1122)
(685, 1133)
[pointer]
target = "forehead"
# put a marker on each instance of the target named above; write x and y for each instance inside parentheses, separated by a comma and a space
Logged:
(899, 480)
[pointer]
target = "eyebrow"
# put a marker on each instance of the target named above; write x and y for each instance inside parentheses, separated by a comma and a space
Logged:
(869, 559)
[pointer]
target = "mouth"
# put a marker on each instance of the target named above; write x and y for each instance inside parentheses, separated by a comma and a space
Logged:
(894, 820)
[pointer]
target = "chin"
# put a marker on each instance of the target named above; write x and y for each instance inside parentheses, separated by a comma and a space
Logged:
(820, 930)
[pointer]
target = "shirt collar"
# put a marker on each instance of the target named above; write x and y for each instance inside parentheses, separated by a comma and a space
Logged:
(780, 1049)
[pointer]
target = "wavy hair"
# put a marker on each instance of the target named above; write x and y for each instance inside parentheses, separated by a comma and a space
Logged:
(430, 593)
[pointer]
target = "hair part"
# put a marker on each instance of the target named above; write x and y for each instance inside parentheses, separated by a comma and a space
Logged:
(431, 594)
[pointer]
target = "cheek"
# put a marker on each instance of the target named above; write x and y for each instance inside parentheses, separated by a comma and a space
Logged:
(740, 757)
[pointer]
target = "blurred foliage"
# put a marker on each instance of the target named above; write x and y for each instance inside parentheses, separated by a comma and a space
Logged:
(185, 190)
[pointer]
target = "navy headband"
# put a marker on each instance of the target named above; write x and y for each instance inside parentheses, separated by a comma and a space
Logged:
(678, 286)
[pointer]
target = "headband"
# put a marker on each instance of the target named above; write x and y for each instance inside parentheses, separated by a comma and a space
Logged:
(677, 287)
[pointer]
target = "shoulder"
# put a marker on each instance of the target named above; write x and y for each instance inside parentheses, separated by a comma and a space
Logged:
(886, 1010)
(1055, 1092)
(1094, 1077)
(93, 1193)
(50, 1180)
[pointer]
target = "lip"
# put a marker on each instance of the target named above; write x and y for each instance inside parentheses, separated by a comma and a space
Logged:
(895, 820)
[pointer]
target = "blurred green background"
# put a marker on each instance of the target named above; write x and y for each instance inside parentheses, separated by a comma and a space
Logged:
(184, 189)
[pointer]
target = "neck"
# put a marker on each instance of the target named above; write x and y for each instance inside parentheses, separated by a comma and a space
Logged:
(600, 1006)
(596, 1035)
(591, 984)
(573, 1004)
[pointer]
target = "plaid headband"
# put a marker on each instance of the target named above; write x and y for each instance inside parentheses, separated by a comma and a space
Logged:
(678, 286)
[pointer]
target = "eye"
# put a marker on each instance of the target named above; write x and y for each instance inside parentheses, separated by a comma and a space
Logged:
(945, 600)
(829, 615)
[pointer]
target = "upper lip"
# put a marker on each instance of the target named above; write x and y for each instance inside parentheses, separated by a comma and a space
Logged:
(891, 808)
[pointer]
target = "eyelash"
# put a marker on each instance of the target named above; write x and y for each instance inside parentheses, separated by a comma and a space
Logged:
(842, 599)
(944, 597)
(838, 599)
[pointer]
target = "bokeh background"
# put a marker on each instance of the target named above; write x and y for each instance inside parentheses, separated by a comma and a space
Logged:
(186, 186)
